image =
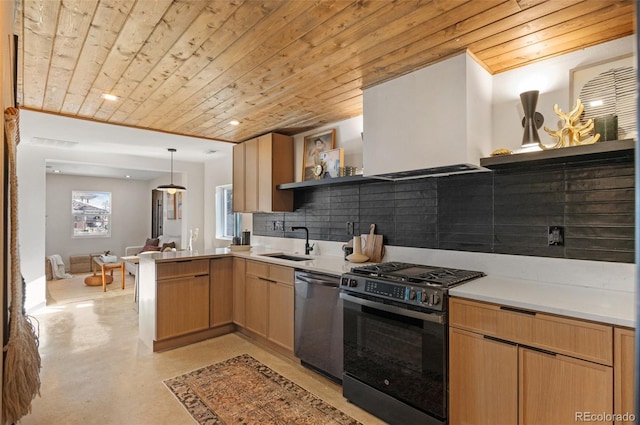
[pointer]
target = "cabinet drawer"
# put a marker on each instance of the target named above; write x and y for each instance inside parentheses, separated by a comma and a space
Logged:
(257, 268)
(182, 268)
(281, 274)
(573, 337)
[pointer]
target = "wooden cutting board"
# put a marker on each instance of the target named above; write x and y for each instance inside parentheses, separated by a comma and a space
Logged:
(373, 248)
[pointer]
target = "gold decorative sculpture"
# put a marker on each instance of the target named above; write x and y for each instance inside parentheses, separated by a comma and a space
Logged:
(572, 131)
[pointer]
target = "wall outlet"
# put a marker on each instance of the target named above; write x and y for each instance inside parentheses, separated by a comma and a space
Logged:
(555, 235)
(278, 225)
(350, 228)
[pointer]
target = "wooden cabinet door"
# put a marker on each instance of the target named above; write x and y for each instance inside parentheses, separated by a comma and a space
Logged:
(221, 291)
(554, 389)
(256, 304)
(182, 306)
(238, 178)
(251, 167)
(483, 380)
(259, 166)
(265, 171)
(624, 372)
(282, 166)
(239, 271)
(280, 329)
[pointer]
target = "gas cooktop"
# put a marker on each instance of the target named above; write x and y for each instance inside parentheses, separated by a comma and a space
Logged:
(417, 274)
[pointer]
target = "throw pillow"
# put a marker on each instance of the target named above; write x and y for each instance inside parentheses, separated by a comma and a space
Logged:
(152, 242)
(169, 245)
(150, 248)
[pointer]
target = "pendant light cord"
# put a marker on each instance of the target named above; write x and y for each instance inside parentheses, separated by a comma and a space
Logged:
(171, 166)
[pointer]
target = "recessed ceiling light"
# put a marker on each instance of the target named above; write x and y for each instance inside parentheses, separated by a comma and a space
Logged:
(127, 177)
(234, 122)
(56, 171)
(112, 97)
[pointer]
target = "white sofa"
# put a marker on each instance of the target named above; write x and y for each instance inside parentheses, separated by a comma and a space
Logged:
(135, 250)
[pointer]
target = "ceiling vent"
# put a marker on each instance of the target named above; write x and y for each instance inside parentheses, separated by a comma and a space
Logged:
(53, 143)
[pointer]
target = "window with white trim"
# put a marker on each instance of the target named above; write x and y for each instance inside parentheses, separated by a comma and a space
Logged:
(226, 220)
(91, 214)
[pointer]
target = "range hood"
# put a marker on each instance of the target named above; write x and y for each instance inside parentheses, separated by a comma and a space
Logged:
(432, 122)
(445, 170)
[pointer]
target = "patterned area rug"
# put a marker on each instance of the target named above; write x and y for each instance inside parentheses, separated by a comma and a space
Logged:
(242, 390)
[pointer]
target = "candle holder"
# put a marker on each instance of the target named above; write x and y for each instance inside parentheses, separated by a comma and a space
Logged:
(532, 120)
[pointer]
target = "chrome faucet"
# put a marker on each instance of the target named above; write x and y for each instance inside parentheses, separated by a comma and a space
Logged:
(307, 247)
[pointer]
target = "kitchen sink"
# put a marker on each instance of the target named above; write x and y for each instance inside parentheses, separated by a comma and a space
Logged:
(285, 257)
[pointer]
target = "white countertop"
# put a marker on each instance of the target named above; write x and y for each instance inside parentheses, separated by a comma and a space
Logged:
(596, 304)
(583, 302)
(320, 263)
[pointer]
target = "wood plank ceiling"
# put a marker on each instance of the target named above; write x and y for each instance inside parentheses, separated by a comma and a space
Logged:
(191, 66)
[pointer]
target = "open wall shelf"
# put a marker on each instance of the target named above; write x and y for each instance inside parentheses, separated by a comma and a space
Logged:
(613, 149)
(327, 182)
(610, 150)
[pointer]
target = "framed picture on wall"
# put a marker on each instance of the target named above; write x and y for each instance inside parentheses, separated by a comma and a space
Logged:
(607, 88)
(333, 160)
(314, 145)
(581, 76)
(171, 206)
(179, 205)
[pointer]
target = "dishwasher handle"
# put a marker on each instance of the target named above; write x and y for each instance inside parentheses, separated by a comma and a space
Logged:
(318, 279)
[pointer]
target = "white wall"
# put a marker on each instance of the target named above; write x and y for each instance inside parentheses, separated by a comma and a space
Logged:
(127, 228)
(217, 172)
(479, 116)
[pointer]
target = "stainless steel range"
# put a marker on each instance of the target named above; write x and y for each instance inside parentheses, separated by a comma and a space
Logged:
(396, 339)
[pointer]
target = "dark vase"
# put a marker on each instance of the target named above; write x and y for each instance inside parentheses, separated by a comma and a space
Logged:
(606, 126)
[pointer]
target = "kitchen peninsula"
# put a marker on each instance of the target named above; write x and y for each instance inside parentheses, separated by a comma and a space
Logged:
(185, 297)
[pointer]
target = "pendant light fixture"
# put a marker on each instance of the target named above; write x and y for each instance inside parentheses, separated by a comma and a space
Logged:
(171, 188)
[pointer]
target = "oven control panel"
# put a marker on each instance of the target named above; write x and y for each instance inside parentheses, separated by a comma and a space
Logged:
(425, 297)
(385, 289)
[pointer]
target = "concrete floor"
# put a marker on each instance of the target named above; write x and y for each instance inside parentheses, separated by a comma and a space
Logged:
(96, 371)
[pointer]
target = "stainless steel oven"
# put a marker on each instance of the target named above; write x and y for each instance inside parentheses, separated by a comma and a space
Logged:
(401, 355)
(395, 340)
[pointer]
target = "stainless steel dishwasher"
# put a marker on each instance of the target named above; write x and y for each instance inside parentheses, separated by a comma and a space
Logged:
(318, 323)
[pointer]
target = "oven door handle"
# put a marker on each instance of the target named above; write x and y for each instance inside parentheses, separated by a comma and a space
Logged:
(429, 317)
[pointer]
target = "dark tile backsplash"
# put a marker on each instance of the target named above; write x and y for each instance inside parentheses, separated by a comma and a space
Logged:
(506, 212)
